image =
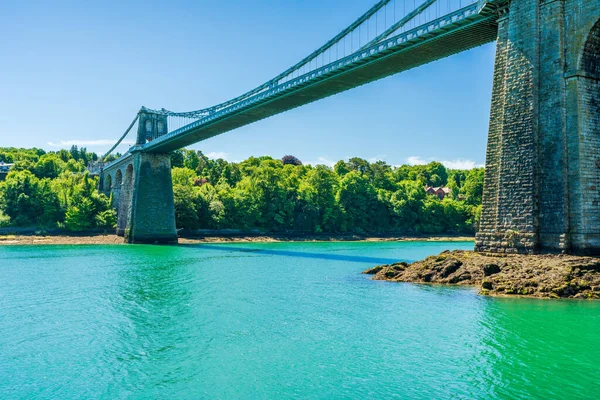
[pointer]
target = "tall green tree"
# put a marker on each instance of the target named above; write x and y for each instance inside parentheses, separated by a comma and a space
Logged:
(358, 201)
(49, 166)
(28, 200)
(473, 186)
(316, 206)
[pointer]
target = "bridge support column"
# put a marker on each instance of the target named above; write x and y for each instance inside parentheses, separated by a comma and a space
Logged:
(509, 220)
(151, 216)
(542, 184)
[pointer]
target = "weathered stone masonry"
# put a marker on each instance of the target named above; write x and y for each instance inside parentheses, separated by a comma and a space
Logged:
(142, 188)
(542, 187)
(152, 212)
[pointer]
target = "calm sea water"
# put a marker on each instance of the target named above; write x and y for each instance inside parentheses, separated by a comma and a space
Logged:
(274, 321)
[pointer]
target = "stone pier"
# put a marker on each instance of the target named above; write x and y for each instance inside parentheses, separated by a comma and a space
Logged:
(542, 185)
(142, 188)
(151, 216)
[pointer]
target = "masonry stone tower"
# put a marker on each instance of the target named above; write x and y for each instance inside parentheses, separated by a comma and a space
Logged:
(542, 185)
(149, 212)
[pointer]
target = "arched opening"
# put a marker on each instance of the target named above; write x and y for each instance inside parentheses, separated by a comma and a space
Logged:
(585, 195)
(116, 190)
(125, 201)
(590, 57)
(108, 184)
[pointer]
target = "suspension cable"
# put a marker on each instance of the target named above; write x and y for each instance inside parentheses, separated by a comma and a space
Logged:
(266, 85)
(400, 23)
(121, 139)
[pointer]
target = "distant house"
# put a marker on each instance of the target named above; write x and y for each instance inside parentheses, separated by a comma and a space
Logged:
(4, 169)
(440, 192)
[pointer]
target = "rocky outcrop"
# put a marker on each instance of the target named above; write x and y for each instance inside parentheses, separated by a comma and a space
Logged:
(550, 276)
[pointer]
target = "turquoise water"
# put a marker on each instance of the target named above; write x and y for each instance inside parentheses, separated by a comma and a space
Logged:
(274, 321)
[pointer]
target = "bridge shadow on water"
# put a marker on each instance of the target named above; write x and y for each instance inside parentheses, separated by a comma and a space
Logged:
(301, 254)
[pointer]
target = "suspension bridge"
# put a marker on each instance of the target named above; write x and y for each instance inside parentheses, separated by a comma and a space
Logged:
(393, 36)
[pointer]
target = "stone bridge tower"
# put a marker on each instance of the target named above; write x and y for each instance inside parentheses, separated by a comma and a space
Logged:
(542, 185)
(152, 213)
(142, 187)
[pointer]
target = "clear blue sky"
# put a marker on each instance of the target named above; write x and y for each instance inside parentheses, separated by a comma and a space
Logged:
(78, 71)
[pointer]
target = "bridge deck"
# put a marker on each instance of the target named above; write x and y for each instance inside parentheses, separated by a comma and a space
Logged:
(429, 44)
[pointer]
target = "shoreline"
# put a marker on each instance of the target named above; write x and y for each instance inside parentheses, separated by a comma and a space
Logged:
(538, 276)
(508, 275)
(103, 239)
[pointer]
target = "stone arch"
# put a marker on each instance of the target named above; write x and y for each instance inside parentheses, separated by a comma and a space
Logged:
(125, 201)
(116, 190)
(589, 60)
(107, 184)
(585, 157)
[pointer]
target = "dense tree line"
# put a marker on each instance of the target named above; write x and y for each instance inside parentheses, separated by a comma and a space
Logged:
(49, 189)
(354, 196)
(52, 189)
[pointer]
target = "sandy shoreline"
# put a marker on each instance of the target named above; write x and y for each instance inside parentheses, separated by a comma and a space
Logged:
(114, 239)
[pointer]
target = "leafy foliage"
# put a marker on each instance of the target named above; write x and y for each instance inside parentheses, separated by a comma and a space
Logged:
(28, 200)
(354, 196)
(53, 189)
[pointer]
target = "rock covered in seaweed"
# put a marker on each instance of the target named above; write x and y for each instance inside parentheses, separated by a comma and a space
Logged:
(552, 276)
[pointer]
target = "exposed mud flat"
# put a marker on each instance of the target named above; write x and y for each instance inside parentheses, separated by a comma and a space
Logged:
(114, 239)
(59, 239)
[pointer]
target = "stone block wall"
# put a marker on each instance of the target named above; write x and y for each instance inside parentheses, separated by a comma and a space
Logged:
(152, 210)
(125, 193)
(509, 221)
(489, 215)
(552, 190)
(542, 186)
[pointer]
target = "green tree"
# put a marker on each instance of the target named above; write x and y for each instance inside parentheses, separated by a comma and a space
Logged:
(183, 176)
(64, 155)
(457, 216)
(74, 166)
(74, 153)
(406, 204)
(473, 186)
(80, 216)
(177, 159)
(316, 206)
(84, 207)
(341, 168)
(360, 165)
(23, 165)
(268, 190)
(4, 220)
(49, 166)
(359, 202)
(382, 176)
(186, 211)
(84, 156)
(191, 160)
(28, 200)
(6, 158)
(436, 174)
(432, 216)
(106, 219)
